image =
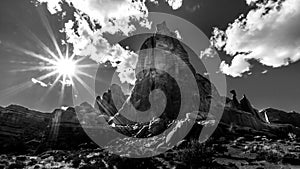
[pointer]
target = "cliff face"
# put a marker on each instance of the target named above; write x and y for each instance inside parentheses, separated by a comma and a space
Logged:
(64, 131)
(164, 85)
(275, 116)
(240, 118)
(163, 55)
(21, 127)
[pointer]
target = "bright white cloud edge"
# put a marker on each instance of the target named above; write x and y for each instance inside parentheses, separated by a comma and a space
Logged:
(273, 39)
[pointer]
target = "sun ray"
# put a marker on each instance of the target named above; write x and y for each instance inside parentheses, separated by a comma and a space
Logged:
(72, 56)
(22, 86)
(65, 68)
(84, 74)
(34, 55)
(42, 45)
(67, 52)
(34, 68)
(81, 59)
(15, 89)
(88, 66)
(60, 101)
(50, 31)
(90, 76)
(49, 90)
(39, 42)
(47, 75)
(85, 86)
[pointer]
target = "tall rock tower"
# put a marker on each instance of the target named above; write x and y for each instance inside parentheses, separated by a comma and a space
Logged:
(166, 81)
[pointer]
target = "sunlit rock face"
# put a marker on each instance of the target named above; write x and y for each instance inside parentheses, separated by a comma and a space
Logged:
(163, 74)
(240, 118)
(158, 51)
(275, 116)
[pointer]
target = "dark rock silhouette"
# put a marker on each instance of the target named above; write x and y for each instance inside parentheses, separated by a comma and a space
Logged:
(65, 131)
(238, 117)
(234, 102)
(21, 128)
(281, 117)
(246, 106)
(164, 52)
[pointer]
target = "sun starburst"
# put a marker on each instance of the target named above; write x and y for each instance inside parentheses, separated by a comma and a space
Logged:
(64, 68)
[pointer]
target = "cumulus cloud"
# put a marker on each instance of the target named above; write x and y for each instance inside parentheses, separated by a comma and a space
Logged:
(89, 43)
(209, 52)
(269, 34)
(238, 65)
(104, 16)
(93, 18)
(175, 4)
(113, 16)
(35, 81)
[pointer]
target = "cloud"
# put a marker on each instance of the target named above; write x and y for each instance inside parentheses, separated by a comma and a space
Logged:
(127, 66)
(269, 34)
(113, 16)
(209, 52)
(106, 16)
(118, 16)
(35, 81)
(53, 5)
(238, 65)
(175, 4)
(93, 44)
(154, 1)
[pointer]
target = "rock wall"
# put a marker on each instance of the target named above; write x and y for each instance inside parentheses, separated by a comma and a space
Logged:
(21, 128)
(281, 117)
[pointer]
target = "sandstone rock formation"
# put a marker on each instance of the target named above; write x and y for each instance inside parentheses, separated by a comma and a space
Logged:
(163, 69)
(163, 65)
(247, 120)
(281, 117)
(21, 128)
(65, 130)
(239, 117)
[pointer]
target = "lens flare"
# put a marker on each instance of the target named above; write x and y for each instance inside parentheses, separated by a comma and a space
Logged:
(66, 67)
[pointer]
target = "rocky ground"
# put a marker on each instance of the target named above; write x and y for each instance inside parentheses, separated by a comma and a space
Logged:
(248, 153)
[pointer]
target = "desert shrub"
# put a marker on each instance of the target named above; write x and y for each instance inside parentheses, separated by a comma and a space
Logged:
(196, 154)
(270, 156)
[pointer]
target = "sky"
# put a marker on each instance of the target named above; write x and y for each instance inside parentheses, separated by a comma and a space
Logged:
(258, 43)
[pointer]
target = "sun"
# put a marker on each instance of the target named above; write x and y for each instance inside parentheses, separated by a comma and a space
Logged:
(59, 68)
(66, 67)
